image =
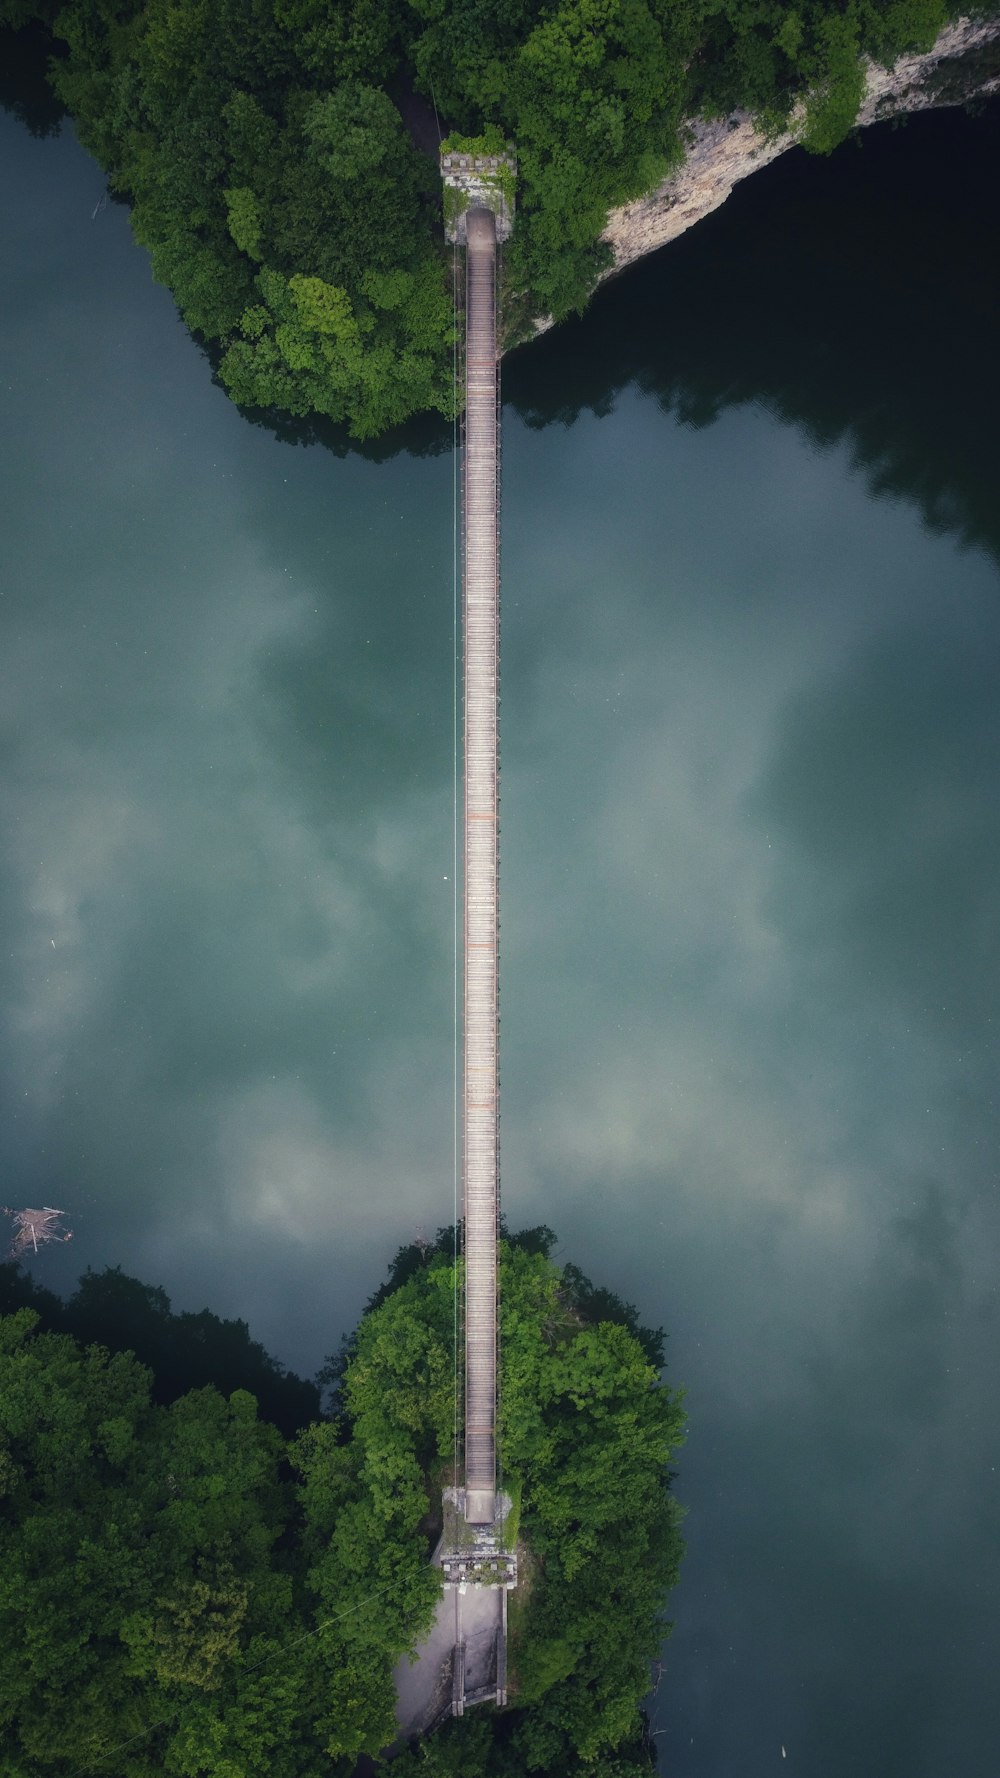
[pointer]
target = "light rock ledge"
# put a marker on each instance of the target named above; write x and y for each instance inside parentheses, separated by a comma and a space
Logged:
(722, 153)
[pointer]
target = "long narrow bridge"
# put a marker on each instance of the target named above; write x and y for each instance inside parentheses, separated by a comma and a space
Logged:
(477, 1566)
(481, 625)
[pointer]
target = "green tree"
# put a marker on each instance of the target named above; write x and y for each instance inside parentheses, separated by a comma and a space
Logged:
(258, 136)
(587, 1428)
(181, 1592)
(838, 85)
(141, 1598)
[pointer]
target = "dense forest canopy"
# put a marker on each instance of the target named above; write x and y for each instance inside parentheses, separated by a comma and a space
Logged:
(184, 1590)
(296, 216)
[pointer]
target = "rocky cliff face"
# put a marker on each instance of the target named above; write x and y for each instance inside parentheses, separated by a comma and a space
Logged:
(963, 64)
(960, 66)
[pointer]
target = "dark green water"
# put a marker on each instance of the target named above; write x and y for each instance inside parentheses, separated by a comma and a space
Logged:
(751, 866)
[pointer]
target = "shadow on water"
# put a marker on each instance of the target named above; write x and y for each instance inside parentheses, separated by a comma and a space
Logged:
(184, 1351)
(426, 435)
(856, 297)
(24, 89)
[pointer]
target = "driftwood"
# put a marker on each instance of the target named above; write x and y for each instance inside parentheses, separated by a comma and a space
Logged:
(33, 1227)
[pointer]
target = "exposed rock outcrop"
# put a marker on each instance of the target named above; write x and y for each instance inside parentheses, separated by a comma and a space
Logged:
(725, 152)
(963, 64)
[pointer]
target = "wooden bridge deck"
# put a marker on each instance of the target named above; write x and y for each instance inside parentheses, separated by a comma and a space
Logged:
(481, 613)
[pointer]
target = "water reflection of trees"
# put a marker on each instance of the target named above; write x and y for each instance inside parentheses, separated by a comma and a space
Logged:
(183, 1350)
(425, 435)
(856, 298)
(24, 88)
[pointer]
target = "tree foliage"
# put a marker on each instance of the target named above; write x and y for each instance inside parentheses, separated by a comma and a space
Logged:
(182, 1590)
(138, 1569)
(481, 1746)
(587, 1431)
(262, 146)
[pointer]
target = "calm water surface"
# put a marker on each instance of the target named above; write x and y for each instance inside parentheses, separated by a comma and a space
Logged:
(751, 871)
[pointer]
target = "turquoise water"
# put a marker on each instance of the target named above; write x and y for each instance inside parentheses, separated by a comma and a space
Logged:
(750, 855)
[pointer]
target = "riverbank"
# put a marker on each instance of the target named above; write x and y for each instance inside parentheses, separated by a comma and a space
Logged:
(963, 66)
